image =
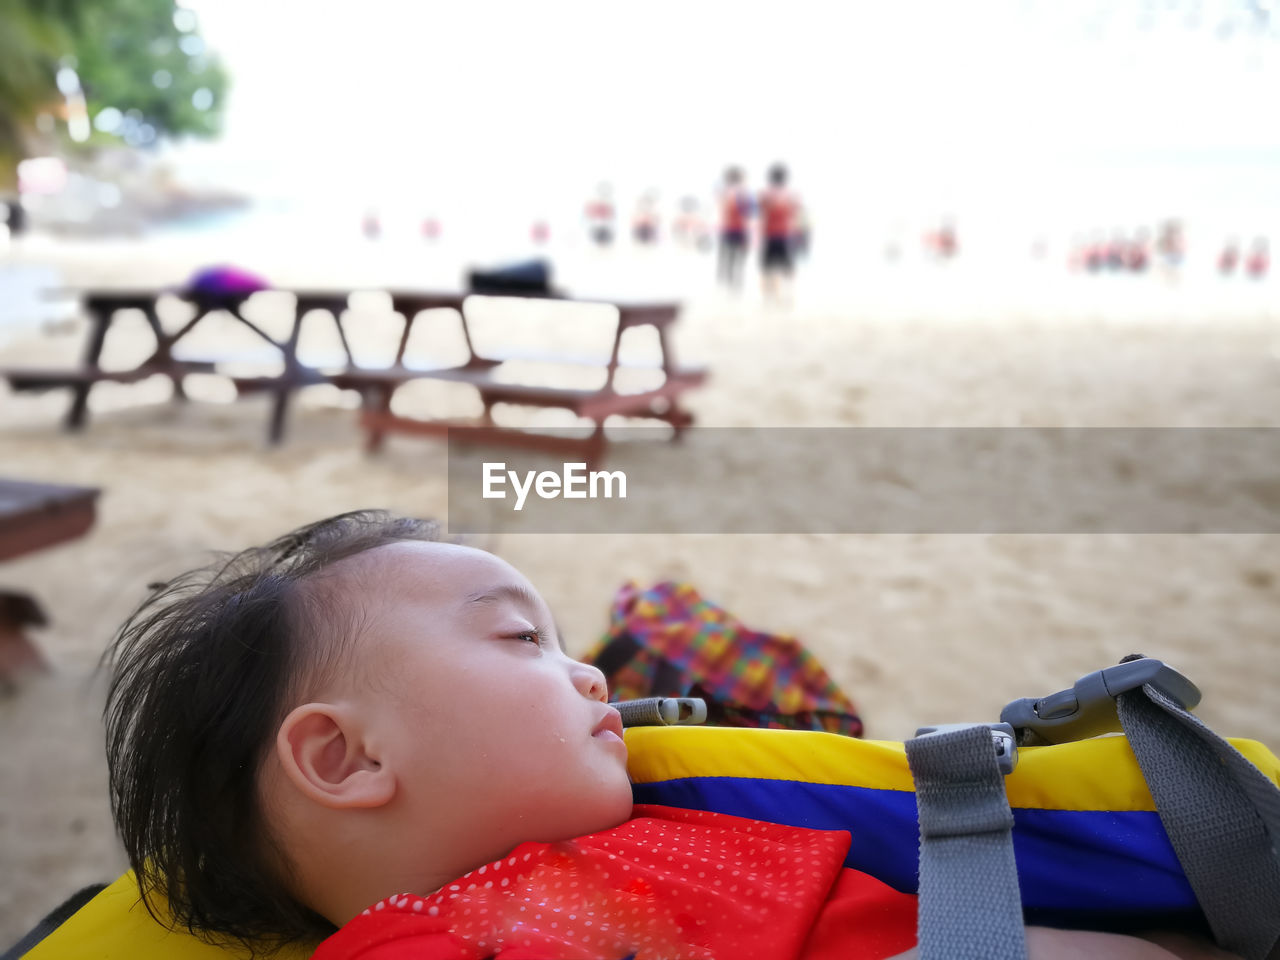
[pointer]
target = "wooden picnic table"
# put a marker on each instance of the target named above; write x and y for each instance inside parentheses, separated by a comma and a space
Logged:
(34, 516)
(376, 385)
(484, 372)
(102, 307)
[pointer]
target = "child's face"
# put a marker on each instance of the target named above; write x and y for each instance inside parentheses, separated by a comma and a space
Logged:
(490, 726)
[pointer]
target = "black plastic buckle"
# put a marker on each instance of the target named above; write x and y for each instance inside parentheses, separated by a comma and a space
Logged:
(1088, 709)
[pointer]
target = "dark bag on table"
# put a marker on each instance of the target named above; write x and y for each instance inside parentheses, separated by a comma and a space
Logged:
(530, 277)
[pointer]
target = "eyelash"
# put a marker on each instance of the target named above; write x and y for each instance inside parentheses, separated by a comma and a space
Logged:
(537, 634)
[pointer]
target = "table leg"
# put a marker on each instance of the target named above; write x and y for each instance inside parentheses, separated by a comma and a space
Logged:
(466, 334)
(164, 350)
(279, 411)
(101, 319)
(289, 381)
(668, 355)
(18, 654)
(377, 401)
(342, 335)
(613, 356)
(594, 446)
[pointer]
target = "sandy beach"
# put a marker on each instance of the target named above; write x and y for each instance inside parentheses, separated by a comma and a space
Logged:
(916, 628)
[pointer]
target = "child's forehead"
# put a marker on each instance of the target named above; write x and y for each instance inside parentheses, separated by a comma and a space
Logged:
(414, 571)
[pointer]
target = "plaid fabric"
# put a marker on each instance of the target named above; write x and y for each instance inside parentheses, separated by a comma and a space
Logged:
(668, 641)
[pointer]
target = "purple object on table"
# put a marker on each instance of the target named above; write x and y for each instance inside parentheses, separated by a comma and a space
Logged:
(226, 279)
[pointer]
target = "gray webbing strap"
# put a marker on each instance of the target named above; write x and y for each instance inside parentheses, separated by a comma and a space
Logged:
(970, 907)
(1222, 815)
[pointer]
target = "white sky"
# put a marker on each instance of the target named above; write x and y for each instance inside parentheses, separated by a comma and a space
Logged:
(385, 98)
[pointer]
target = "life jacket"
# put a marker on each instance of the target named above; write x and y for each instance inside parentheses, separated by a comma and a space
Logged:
(1080, 833)
(1086, 839)
(777, 211)
(600, 211)
(734, 207)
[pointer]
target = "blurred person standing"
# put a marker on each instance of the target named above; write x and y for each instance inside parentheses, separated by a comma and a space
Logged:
(1138, 253)
(1229, 257)
(689, 228)
(1095, 252)
(600, 216)
(778, 208)
(15, 215)
(735, 211)
(1171, 245)
(1115, 250)
(941, 244)
(644, 225)
(1258, 262)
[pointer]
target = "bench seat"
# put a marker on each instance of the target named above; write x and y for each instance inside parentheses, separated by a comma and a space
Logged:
(593, 403)
(50, 378)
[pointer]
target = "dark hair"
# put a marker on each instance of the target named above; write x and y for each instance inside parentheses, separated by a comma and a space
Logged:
(733, 175)
(201, 675)
(778, 174)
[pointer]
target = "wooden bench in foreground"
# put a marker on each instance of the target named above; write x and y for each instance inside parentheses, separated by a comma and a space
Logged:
(34, 516)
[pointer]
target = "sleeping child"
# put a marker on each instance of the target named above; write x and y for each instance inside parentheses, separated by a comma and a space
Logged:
(362, 736)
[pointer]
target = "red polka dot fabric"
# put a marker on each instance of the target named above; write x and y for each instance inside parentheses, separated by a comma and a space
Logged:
(669, 884)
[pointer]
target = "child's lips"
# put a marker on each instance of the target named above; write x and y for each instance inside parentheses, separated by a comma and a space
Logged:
(609, 727)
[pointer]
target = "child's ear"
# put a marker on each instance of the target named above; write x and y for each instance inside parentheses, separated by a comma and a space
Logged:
(326, 755)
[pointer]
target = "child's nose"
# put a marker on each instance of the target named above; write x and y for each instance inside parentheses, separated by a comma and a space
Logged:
(590, 681)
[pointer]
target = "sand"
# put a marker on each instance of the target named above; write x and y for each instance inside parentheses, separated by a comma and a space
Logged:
(917, 628)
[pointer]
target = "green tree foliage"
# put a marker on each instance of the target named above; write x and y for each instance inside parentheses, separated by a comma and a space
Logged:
(146, 60)
(142, 66)
(33, 33)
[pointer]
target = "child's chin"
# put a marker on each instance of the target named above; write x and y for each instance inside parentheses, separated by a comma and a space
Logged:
(615, 810)
(601, 817)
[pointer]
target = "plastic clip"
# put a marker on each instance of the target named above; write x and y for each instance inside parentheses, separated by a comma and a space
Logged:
(661, 711)
(1088, 709)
